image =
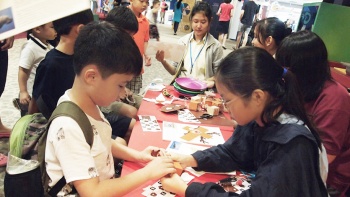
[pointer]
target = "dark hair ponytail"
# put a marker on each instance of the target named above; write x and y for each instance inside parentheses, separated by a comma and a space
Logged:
(265, 74)
(272, 27)
(178, 4)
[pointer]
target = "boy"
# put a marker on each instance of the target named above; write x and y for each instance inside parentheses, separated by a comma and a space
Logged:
(125, 19)
(55, 73)
(141, 38)
(33, 52)
(100, 75)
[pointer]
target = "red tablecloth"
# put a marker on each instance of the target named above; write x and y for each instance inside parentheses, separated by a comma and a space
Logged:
(140, 140)
(341, 77)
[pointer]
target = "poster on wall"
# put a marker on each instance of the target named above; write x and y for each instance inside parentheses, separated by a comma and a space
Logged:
(307, 18)
(185, 25)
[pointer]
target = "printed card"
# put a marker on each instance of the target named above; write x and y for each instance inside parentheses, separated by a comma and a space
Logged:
(156, 190)
(194, 134)
(149, 123)
(185, 115)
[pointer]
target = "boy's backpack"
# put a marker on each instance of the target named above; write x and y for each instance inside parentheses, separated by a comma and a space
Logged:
(26, 171)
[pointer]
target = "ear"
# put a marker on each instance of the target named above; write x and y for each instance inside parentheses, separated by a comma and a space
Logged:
(36, 30)
(79, 27)
(90, 74)
(259, 97)
(268, 41)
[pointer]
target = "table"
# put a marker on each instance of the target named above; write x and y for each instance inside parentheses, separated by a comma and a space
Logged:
(140, 140)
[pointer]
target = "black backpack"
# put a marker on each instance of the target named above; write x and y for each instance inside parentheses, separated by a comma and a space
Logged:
(27, 149)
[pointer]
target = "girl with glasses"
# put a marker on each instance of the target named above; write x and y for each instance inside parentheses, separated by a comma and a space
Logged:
(274, 138)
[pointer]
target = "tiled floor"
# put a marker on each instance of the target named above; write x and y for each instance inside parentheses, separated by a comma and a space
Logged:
(9, 114)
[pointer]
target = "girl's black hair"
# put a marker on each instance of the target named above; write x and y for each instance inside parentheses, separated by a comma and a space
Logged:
(272, 27)
(251, 68)
(203, 7)
(305, 54)
(178, 4)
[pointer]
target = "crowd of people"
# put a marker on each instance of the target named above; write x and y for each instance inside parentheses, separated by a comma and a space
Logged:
(293, 122)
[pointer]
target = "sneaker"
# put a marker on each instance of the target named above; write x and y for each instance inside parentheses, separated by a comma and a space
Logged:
(224, 47)
(174, 33)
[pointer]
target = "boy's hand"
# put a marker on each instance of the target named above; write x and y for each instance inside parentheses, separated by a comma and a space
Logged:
(8, 43)
(174, 183)
(24, 98)
(147, 61)
(159, 167)
(150, 153)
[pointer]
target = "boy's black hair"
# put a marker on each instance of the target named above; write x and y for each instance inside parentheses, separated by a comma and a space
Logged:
(64, 25)
(124, 18)
(108, 47)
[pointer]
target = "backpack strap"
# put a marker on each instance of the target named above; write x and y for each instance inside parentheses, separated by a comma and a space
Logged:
(70, 109)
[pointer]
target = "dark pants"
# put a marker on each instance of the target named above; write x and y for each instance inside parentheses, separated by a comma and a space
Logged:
(176, 26)
(3, 70)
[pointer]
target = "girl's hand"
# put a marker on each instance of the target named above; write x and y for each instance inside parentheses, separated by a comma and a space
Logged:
(210, 84)
(159, 167)
(174, 184)
(160, 55)
(185, 160)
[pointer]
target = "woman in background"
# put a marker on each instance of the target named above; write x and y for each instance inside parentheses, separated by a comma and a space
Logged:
(326, 101)
(179, 6)
(224, 13)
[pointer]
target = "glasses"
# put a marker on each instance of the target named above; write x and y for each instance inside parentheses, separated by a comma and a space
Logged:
(227, 103)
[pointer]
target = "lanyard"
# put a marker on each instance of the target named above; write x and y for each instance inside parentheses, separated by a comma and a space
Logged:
(192, 63)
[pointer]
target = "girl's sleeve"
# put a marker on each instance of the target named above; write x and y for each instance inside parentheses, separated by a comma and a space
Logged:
(235, 153)
(289, 170)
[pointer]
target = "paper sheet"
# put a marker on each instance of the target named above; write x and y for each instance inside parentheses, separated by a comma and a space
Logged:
(22, 15)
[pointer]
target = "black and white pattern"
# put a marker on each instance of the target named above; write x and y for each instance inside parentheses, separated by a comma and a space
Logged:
(149, 123)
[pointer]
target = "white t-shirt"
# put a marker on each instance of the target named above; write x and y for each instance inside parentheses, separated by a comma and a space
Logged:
(68, 154)
(32, 53)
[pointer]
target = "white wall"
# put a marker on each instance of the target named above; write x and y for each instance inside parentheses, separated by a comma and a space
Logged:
(234, 22)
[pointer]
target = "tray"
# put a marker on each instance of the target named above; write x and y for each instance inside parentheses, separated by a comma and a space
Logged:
(191, 84)
(179, 88)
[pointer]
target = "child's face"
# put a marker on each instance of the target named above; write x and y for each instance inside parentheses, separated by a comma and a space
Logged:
(139, 6)
(46, 32)
(200, 24)
(107, 90)
(240, 110)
